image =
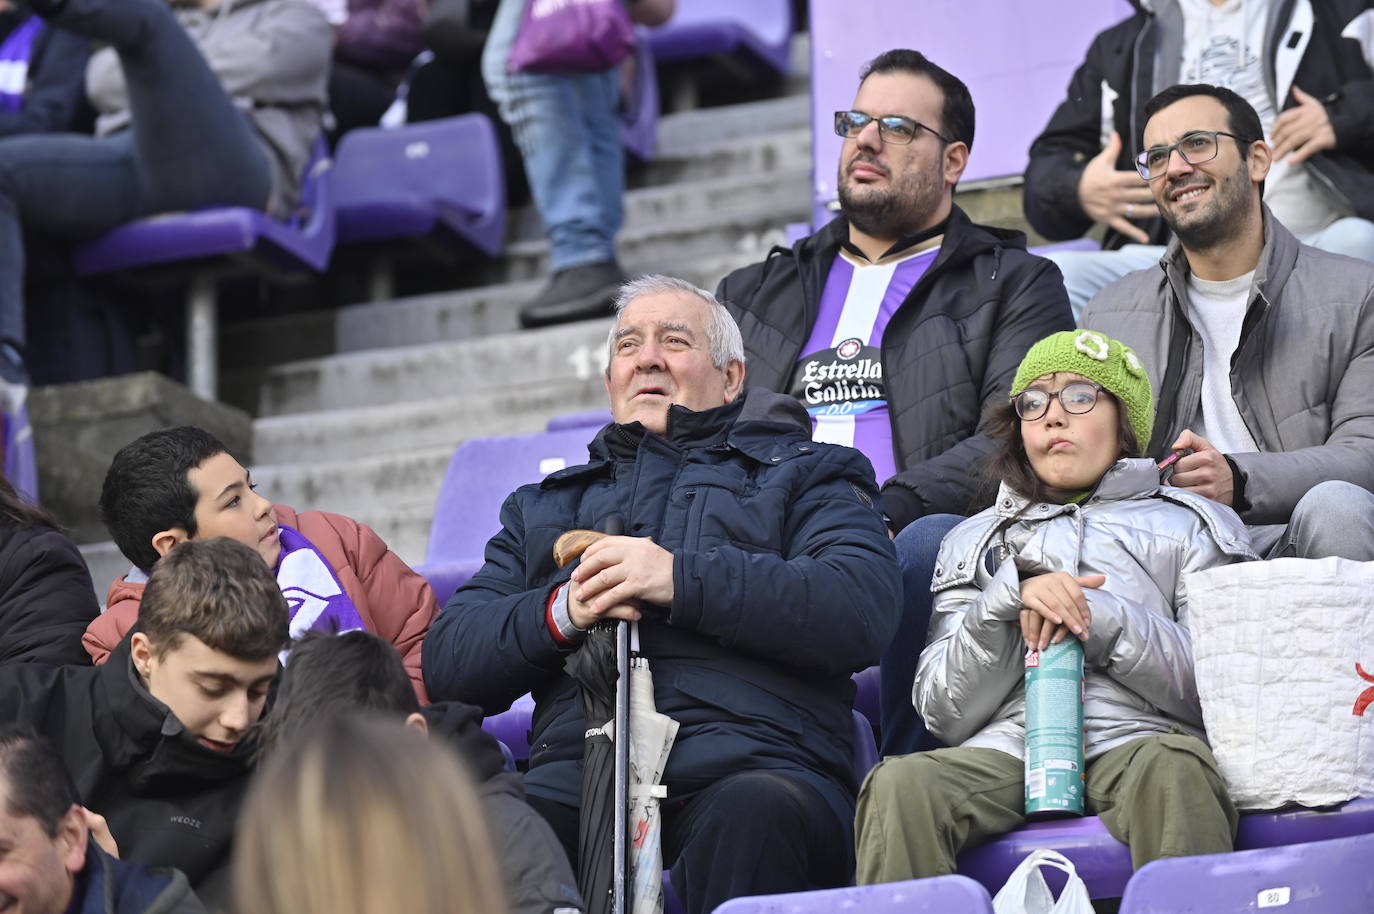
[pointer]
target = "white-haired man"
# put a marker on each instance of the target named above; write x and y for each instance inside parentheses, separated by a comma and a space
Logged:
(761, 576)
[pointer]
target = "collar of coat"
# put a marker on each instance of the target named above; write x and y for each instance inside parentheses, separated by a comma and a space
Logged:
(1277, 259)
(765, 426)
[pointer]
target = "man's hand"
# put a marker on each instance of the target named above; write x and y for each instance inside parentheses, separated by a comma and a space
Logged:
(1114, 197)
(616, 575)
(1304, 130)
(100, 832)
(1054, 606)
(1205, 471)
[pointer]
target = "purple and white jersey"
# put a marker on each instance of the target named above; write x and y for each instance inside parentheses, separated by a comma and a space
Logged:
(839, 378)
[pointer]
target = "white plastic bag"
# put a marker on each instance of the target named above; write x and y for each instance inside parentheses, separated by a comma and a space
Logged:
(1027, 893)
(1282, 651)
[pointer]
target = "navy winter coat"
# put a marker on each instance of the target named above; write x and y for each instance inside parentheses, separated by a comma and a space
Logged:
(785, 583)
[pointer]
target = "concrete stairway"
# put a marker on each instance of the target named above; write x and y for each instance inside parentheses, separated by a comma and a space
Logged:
(366, 424)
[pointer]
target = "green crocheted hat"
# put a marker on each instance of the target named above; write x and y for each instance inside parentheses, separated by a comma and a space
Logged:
(1099, 358)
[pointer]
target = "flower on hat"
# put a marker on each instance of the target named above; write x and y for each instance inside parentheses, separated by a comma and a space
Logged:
(1093, 345)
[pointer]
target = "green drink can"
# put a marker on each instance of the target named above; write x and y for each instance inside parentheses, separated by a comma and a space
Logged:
(1055, 778)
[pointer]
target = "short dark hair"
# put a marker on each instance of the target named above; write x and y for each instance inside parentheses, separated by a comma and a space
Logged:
(1010, 464)
(956, 116)
(147, 488)
(219, 591)
(40, 786)
(1241, 118)
(335, 674)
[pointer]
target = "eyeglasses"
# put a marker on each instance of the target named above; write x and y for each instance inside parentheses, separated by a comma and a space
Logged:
(893, 128)
(1195, 148)
(1077, 398)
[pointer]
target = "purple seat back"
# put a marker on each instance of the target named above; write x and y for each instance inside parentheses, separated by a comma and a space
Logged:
(867, 686)
(1073, 244)
(760, 31)
(305, 241)
(512, 727)
(639, 111)
(937, 895)
(865, 748)
(1015, 59)
(1323, 877)
(480, 476)
(591, 419)
(434, 177)
(1105, 863)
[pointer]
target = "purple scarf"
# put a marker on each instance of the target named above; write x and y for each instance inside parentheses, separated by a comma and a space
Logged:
(15, 52)
(313, 593)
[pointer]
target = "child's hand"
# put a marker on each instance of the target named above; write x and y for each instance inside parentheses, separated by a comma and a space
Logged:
(100, 832)
(1054, 606)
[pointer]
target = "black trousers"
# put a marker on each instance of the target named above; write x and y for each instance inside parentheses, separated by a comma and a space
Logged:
(753, 833)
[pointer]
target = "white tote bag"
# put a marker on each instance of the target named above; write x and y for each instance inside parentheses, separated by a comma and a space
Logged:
(1027, 893)
(1284, 654)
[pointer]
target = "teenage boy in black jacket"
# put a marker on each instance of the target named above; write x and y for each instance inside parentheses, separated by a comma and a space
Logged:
(154, 737)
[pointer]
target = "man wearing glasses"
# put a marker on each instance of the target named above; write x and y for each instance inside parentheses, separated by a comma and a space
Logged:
(898, 322)
(1304, 67)
(1261, 347)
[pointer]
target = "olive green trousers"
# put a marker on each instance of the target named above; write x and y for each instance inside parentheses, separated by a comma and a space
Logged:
(1160, 794)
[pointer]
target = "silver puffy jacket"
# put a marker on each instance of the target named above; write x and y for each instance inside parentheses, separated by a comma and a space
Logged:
(1139, 659)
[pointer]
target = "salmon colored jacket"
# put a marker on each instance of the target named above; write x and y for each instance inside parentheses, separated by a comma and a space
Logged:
(394, 601)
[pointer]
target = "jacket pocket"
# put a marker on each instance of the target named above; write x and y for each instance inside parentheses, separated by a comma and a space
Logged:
(738, 698)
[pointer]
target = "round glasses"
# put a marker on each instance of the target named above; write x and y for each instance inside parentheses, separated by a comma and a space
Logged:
(892, 128)
(1077, 398)
(1195, 148)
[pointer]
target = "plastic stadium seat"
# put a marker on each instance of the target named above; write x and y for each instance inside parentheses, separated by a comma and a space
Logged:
(937, 895)
(759, 32)
(1323, 877)
(867, 684)
(512, 727)
(440, 180)
(210, 243)
(639, 110)
(482, 473)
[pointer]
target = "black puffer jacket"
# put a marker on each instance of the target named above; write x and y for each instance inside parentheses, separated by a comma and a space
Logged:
(950, 351)
(46, 597)
(1131, 61)
(169, 800)
(785, 583)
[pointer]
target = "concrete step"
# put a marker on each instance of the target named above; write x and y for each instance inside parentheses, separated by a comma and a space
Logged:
(671, 240)
(570, 354)
(370, 431)
(751, 155)
(448, 316)
(106, 563)
(649, 206)
(367, 487)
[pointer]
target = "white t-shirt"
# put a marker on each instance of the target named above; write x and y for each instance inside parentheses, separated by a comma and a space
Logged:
(1224, 46)
(1217, 310)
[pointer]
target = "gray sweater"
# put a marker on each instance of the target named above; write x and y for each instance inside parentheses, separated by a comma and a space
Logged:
(271, 56)
(1302, 376)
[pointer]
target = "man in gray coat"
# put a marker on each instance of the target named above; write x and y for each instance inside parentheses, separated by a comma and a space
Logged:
(1261, 347)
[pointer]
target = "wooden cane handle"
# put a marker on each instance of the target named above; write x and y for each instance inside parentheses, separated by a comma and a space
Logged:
(568, 547)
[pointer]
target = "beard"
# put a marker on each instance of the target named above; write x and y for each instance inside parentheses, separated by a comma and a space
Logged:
(1222, 218)
(901, 208)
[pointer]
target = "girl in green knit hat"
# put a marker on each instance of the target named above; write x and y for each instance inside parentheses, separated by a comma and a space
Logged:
(1082, 542)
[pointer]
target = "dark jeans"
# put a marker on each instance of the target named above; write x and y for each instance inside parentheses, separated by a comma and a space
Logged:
(188, 146)
(917, 545)
(753, 833)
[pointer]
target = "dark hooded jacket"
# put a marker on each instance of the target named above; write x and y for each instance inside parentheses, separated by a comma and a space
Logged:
(785, 583)
(949, 352)
(170, 802)
(1136, 58)
(46, 596)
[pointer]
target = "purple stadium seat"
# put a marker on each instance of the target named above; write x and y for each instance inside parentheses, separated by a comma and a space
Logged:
(937, 895)
(512, 727)
(440, 180)
(591, 419)
(1075, 244)
(639, 110)
(479, 477)
(206, 244)
(1323, 877)
(1105, 863)
(1015, 60)
(866, 695)
(758, 32)
(865, 747)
